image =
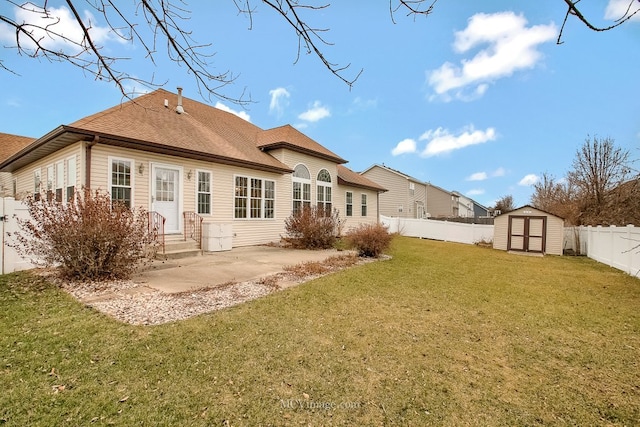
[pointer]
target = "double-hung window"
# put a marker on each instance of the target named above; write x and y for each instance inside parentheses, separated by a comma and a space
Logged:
(59, 181)
(204, 192)
(254, 198)
(363, 205)
(37, 184)
(349, 203)
(71, 178)
(50, 175)
(121, 181)
(323, 186)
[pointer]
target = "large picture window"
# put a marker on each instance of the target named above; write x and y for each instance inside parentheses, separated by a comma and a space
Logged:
(254, 198)
(120, 171)
(323, 184)
(301, 188)
(204, 192)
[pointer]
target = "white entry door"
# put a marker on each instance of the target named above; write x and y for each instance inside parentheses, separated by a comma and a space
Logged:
(166, 197)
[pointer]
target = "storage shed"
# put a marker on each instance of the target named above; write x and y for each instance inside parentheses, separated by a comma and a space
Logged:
(529, 230)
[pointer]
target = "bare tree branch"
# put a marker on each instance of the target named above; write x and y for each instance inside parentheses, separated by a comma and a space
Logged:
(165, 22)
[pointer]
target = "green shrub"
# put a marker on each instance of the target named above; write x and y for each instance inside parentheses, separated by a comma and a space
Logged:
(89, 238)
(370, 240)
(312, 228)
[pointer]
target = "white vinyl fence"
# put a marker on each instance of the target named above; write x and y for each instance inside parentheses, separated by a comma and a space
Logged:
(439, 230)
(10, 210)
(618, 247)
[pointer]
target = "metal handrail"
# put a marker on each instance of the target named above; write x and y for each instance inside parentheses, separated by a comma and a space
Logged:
(193, 227)
(156, 228)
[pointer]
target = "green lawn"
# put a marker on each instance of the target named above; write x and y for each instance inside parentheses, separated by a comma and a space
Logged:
(442, 334)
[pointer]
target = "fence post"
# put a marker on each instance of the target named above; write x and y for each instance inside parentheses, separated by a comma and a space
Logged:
(629, 251)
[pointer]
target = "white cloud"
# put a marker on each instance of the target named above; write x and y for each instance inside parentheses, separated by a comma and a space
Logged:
(512, 46)
(405, 146)
(62, 29)
(475, 192)
(529, 180)
(498, 172)
(616, 9)
(441, 141)
(478, 176)
(279, 100)
(242, 114)
(315, 113)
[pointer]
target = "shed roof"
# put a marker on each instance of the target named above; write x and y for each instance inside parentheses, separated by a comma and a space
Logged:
(529, 207)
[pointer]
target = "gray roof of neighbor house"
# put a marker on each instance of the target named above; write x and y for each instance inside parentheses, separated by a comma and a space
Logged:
(348, 177)
(151, 123)
(11, 144)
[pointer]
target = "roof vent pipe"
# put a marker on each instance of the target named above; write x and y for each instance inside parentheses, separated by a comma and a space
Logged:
(179, 108)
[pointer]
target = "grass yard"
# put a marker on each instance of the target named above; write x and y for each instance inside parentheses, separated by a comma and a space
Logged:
(442, 334)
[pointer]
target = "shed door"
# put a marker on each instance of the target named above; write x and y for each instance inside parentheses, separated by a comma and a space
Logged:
(527, 233)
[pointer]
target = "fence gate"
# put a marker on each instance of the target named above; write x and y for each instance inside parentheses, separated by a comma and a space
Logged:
(527, 233)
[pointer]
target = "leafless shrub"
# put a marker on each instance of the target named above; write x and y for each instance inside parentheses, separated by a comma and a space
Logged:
(312, 228)
(370, 240)
(88, 237)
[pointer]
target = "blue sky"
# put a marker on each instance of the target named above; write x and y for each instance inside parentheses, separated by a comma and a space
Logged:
(477, 98)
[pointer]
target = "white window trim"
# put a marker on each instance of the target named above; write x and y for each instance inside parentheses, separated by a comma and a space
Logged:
(110, 160)
(263, 199)
(59, 178)
(38, 173)
(210, 191)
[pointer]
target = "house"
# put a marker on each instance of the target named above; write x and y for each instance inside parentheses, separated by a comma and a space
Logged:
(469, 208)
(406, 196)
(10, 144)
(188, 162)
(529, 230)
(442, 203)
(480, 211)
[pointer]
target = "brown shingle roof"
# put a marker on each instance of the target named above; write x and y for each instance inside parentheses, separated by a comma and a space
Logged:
(11, 144)
(288, 137)
(201, 128)
(348, 177)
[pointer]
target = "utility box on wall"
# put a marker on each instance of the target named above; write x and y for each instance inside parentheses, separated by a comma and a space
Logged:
(217, 237)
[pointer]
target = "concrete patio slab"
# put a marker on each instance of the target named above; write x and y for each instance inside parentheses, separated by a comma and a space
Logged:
(212, 269)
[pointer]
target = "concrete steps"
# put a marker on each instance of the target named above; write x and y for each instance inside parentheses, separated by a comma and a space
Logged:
(176, 248)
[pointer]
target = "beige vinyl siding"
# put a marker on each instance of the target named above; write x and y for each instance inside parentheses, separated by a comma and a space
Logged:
(6, 184)
(357, 219)
(420, 197)
(245, 231)
(439, 203)
(24, 176)
(397, 194)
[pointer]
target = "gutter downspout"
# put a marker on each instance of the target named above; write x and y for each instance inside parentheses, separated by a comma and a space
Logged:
(87, 176)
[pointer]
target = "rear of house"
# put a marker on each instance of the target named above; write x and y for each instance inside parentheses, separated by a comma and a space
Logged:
(193, 164)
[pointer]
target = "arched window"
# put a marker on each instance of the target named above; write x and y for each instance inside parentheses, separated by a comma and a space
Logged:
(323, 186)
(301, 188)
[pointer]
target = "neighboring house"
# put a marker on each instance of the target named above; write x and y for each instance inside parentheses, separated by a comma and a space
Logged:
(469, 208)
(179, 158)
(464, 205)
(406, 196)
(442, 203)
(10, 145)
(480, 211)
